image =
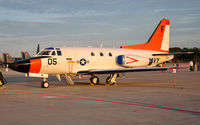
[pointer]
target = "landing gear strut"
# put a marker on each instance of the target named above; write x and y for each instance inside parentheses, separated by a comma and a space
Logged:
(94, 80)
(111, 80)
(44, 83)
(68, 79)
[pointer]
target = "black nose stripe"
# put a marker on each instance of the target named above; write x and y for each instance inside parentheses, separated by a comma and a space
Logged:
(20, 66)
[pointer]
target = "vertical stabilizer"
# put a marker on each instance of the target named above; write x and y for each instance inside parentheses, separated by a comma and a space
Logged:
(1, 59)
(159, 40)
(25, 55)
(7, 58)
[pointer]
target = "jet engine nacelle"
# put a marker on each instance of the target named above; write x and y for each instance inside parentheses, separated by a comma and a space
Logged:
(132, 61)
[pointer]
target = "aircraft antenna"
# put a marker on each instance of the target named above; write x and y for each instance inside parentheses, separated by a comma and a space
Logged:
(38, 48)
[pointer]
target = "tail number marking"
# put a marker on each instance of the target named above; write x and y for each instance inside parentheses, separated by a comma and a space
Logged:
(52, 61)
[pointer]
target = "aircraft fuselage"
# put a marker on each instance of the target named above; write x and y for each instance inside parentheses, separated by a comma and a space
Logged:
(74, 60)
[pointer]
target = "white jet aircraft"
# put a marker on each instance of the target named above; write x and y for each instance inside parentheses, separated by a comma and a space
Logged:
(68, 61)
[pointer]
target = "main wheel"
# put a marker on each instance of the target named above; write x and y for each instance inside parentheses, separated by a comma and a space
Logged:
(108, 81)
(94, 80)
(45, 84)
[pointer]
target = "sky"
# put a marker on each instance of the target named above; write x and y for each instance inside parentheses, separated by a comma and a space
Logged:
(82, 23)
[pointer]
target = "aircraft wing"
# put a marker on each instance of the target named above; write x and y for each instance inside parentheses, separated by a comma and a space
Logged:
(109, 71)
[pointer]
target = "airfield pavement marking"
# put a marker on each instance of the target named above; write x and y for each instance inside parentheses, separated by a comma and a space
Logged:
(114, 102)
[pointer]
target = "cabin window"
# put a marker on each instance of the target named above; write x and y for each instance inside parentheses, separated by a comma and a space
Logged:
(59, 53)
(53, 53)
(101, 54)
(110, 54)
(92, 54)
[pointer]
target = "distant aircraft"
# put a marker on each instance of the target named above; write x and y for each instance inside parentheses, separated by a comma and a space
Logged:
(25, 55)
(1, 61)
(68, 61)
(7, 59)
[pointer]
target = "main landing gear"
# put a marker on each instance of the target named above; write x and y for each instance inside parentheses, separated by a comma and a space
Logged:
(94, 80)
(44, 83)
(111, 80)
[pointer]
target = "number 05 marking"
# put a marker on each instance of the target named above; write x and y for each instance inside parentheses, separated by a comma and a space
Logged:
(52, 61)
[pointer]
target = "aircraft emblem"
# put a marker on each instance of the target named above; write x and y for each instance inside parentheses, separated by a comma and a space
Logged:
(83, 61)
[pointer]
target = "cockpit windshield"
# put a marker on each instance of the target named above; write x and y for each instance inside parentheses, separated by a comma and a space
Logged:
(50, 51)
(44, 52)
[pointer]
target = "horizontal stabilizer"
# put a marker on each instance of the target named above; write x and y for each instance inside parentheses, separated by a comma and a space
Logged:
(174, 53)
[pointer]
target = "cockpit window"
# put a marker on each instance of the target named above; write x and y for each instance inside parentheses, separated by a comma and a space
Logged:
(44, 53)
(53, 53)
(59, 53)
(50, 48)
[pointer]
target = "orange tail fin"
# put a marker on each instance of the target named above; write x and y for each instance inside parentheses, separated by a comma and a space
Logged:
(159, 40)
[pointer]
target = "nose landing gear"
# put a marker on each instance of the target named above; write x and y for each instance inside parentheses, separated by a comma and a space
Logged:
(44, 83)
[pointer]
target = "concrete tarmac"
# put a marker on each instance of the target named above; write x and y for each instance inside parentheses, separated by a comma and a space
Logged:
(142, 98)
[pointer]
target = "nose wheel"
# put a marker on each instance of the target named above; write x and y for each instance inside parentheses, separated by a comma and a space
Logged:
(44, 83)
(94, 80)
